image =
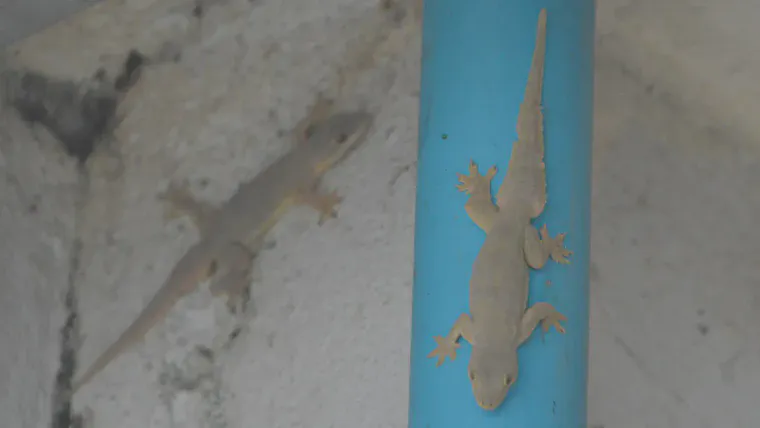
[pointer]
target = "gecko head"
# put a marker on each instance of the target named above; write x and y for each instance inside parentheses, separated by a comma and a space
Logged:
(491, 375)
(333, 139)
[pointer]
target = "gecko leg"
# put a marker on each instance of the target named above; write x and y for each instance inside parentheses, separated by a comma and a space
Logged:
(180, 202)
(324, 203)
(538, 250)
(545, 314)
(480, 208)
(318, 112)
(234, 261)
(447, 346)
(235, 264)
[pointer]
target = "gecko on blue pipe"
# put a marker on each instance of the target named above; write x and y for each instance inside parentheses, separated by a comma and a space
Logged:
(505, 273)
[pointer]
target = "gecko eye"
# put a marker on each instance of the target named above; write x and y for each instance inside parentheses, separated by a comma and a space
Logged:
(507, 380)
(341, 138)
(471, 374)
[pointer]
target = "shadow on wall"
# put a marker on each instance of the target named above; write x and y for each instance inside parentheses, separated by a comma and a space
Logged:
(78, 114)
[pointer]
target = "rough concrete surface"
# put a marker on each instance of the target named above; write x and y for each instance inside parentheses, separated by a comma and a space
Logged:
(19, 18)
(675, 294)
(38, 191)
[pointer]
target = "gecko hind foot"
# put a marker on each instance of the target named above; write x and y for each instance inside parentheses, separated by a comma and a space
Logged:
(328, 206)
(324, 203)
(557, 252)
(553, 319)
(476, 182)
(445, 348)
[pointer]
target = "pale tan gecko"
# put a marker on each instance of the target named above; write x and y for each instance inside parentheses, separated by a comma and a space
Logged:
(499, 322)
(234, 232)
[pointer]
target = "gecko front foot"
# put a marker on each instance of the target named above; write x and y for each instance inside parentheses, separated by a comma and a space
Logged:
(180, 202)
(475, 182)
(558, 252)
(445, 348)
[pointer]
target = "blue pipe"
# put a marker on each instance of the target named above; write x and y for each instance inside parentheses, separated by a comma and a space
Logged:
(475, 62)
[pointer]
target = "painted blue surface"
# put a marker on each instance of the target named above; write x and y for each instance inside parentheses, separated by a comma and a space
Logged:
(476, 57)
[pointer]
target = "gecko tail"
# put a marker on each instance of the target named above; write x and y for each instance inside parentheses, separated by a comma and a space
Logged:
(526, 174)
(535, 85)
(530, 119)
(156, 310)
(193, 267)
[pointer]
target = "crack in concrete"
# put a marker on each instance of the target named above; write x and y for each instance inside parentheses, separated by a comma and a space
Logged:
(62, 416)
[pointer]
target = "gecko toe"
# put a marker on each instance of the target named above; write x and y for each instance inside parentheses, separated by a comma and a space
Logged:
(445, 348)
(555, 320)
